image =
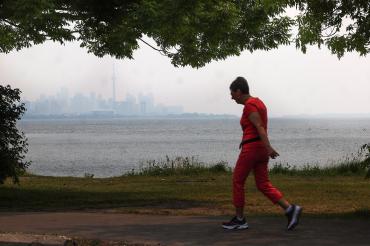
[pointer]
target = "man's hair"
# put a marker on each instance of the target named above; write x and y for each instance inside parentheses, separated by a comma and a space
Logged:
(241, 84)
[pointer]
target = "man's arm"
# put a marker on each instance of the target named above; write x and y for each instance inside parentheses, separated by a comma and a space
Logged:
(255, 118)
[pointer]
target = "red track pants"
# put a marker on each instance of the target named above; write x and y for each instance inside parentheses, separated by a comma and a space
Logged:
(253, 157)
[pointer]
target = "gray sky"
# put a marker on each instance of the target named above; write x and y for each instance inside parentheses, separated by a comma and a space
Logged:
(290, 83)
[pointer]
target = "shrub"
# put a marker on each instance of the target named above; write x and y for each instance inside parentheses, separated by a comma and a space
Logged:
(365, 150)
(13, 143)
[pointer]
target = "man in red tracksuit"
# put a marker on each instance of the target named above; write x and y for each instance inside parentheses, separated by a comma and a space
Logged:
(254, 156)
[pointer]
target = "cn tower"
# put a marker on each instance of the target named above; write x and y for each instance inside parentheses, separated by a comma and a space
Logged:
(113, 89)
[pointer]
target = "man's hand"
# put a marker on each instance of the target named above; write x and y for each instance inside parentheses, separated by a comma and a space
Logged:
(272, 153)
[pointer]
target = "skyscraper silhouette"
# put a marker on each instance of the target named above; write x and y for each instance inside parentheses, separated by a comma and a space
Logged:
(113, 88)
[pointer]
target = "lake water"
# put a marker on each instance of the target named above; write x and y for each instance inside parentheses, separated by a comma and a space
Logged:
(110, 147)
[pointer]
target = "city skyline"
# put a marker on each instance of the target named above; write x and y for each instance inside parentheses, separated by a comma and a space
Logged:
(62, 103)
(90, 100)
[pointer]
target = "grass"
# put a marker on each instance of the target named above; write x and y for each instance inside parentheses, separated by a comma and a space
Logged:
(356, 164)
(345, 168)
(191, 166)
(184, 186)
(179, 166)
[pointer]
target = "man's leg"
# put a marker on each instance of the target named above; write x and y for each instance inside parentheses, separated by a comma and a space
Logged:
(263, 183)
(241, 171)
(242, 168)
(284, 204)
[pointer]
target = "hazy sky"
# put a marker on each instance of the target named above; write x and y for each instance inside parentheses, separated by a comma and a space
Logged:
(288, 81)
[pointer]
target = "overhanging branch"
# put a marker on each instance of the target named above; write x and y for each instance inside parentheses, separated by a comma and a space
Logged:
(162, 52)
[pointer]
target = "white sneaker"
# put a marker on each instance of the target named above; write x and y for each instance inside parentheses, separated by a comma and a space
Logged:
(235, 224)
(293, 216)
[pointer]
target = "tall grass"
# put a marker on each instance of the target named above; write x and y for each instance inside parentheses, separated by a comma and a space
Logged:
(342, 168)
(357, 164)
(179, 166)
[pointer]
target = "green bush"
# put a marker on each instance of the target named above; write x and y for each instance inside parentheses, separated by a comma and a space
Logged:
(13, 143)
(365, 150)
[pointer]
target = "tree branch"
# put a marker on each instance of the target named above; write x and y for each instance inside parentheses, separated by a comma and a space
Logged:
(162, 52)
(10, 23)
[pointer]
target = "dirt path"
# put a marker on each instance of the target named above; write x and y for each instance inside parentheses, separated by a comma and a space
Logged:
(188, 230)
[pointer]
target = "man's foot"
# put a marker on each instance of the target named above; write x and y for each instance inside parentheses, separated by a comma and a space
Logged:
(235, 224)
(293, 214)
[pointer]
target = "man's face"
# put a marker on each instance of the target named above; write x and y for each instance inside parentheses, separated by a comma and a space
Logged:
(236, 95)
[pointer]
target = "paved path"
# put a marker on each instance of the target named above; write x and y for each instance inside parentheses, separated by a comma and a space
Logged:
(188, 230)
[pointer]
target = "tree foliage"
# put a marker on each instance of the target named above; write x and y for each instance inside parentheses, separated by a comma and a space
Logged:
(342, 25)
(189, 32)
(13, 143)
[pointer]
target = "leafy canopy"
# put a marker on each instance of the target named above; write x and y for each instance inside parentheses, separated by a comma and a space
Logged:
(189, 32)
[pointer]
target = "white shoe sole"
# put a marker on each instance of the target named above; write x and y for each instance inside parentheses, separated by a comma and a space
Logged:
(237, 227)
